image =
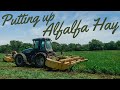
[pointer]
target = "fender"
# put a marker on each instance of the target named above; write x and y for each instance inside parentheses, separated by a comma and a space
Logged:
(41, 53)
(23, 55)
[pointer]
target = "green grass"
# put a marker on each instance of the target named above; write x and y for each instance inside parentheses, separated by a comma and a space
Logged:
(107, 62)
(101, 65)
(1, 56)
(10, 71)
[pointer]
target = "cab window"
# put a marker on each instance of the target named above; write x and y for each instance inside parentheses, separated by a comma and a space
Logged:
(36, 44)
(42, 46)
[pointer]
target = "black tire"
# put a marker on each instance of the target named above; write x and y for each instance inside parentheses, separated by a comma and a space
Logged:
(19, 60)
(40, 61)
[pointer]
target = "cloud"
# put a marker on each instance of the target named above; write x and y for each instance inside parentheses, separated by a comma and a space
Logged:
(1, 26)
(3, 42)
(37, 31)
(7, 23)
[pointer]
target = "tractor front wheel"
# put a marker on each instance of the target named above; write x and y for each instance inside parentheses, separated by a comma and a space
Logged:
(39, 61)
(19, 60)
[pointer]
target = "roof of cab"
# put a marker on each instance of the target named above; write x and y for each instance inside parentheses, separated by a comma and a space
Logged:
(41, 39)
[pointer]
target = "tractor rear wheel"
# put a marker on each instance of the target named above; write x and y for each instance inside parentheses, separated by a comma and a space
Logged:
(19, 60)
(39, 61)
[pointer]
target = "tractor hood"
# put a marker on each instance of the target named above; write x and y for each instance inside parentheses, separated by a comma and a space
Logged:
(27, 50)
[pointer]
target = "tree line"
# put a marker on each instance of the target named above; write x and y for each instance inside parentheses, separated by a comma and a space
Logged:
(91, 46)
(14, 46)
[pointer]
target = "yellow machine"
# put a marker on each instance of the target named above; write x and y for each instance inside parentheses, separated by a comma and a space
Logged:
(63, 64)
(9, 57)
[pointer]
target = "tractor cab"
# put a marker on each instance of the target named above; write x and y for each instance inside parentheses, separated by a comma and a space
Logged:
(42, 45)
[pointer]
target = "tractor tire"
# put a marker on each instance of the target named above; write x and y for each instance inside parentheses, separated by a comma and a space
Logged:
(39, 61)
(19, 60)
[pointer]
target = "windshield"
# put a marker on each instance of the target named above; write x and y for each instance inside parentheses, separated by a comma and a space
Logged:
(48, 45)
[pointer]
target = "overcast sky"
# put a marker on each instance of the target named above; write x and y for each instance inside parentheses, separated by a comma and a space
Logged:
(27, 32)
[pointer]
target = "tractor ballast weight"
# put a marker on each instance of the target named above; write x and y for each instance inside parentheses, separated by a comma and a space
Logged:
(40, 56)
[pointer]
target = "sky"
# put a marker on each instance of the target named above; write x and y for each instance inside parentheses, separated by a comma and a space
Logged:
(26, 32)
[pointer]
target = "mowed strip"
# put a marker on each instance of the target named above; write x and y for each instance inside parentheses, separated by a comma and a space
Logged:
(13, 72)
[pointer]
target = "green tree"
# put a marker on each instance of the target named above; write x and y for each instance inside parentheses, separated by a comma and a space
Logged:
(71, 47)
(77, 47)
(85, 47)
(56, 46)
(16, 45)
(96, 45)
(63, 47)
(110, 46)
(118, 45)
(5, 48)
(106, 46)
